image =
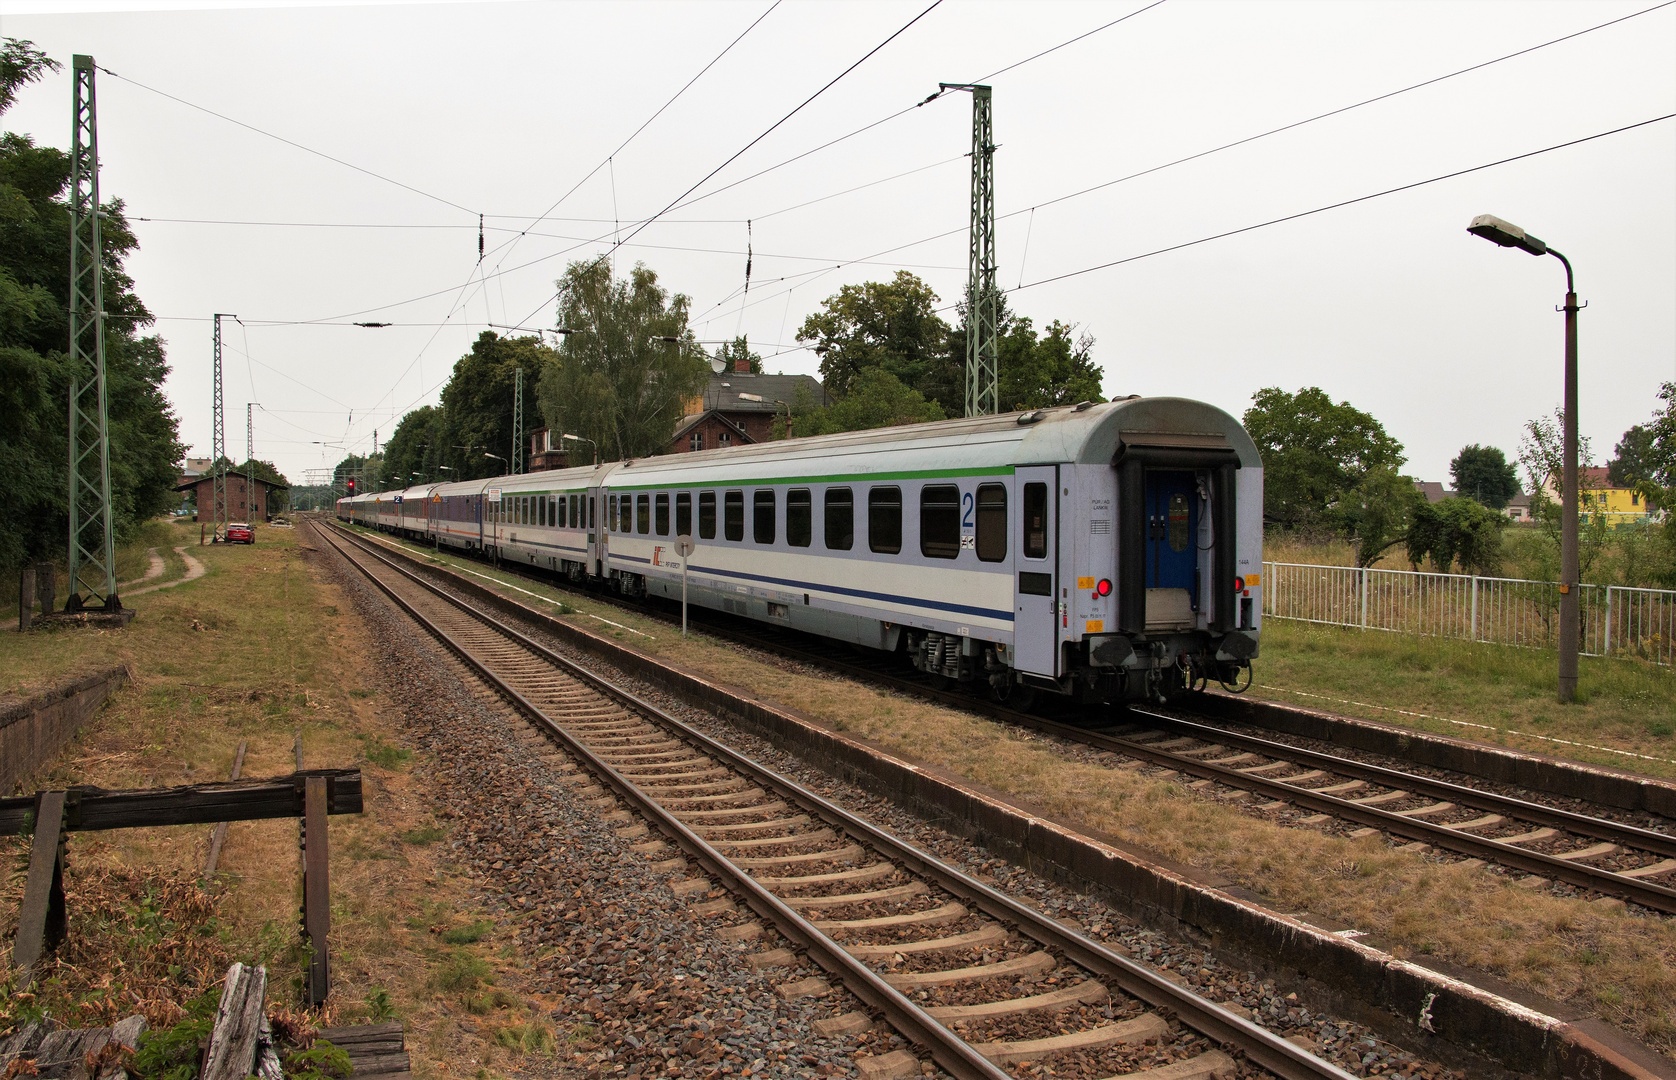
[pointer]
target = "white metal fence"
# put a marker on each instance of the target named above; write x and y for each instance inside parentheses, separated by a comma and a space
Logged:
(1617, 621)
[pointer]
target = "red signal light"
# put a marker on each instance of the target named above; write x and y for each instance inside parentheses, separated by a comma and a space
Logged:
(1104, 588)
(1239, 584)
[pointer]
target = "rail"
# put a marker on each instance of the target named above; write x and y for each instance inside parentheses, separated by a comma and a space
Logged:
(952, 1053)
(1617, 620)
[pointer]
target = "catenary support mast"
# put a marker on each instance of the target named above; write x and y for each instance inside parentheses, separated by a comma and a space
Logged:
(92, 546)
(218, 442)
(982, 299)
(518, 421)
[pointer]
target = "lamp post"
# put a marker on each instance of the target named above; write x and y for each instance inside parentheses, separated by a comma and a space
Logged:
(1506, 234)
(577, 438)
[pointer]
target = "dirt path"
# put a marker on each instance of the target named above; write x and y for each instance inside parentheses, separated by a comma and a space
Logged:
(194, 571)
(153, 570)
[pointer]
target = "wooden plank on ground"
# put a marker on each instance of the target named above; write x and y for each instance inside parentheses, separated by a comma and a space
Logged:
(374, 1049)
(41, 921)
(317, 900)
(219, 836)
(231, 1054)
(198, 804)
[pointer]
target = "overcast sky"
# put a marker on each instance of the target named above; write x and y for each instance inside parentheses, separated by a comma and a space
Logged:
(504, 108)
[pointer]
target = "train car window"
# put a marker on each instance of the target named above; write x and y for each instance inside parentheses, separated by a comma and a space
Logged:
(684, 514)
(642, 514)
(625, 514)
(939, 521)
(800, 518)
(707, 515)
(1035, 521)
(840, 519)
(884, 520)
(992, 522)
(542, 505)
(661, 517)
(611, 513)
(590, 511)
(762, 517)
(733, 516)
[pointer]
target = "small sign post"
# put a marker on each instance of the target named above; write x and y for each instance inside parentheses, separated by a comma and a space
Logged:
(684, 546)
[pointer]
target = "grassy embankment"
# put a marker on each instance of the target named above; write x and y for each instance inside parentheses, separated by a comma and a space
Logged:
(1605, 963)
(160, 534)
(258, 649)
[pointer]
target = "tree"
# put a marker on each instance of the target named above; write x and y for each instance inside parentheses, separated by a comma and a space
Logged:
(476, 409)
(737, 350)
(1034, 372)
(1456, 528)
(1314, 451)
(1484, 473)
(1542, 456)
(1631, 458)
(411, 449)
(892, 325)
(614, 382)
(1377, 513)
(35, 373)
(876, 399)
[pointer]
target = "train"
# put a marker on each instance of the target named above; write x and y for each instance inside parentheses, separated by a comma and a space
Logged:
(1102, 552)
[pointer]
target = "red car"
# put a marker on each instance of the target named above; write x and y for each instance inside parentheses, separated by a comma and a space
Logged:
(239, 532)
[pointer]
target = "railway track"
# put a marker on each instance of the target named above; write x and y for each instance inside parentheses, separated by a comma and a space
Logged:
(1417, 812)
(970, 976)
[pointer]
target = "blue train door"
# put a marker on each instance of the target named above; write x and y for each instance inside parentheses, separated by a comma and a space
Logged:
(1172, 549)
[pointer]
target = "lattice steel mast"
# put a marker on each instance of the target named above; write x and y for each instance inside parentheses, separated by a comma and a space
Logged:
(518, 421)
(218, 443)
(983, 301)
(250, 457)
(92, 545)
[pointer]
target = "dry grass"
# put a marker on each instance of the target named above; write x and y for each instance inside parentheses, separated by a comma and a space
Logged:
(257, 649)
(1618, 967)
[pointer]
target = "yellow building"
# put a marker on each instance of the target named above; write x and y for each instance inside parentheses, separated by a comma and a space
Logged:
(1597, 496)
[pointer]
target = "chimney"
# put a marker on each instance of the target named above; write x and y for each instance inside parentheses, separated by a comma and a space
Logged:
(742, 366)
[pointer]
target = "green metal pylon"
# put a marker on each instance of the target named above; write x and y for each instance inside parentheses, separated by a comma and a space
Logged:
(518, 421)
(92, 544)
(982, 299)
(218, 443)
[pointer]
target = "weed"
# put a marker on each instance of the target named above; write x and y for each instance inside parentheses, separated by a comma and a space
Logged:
(383, 754)
(466, 935)
(172, 1053)
(581, 1034)
(322, 1061)
(1660, 729)
(358, 692)
(531, 1038)
(425, 834)
(379, 1005)
(462, 971)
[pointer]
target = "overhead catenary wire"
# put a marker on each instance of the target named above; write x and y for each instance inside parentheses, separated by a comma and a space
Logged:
(1246, 140)
(289, 142)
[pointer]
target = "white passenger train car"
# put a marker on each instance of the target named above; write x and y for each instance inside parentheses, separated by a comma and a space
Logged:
(1111, 552)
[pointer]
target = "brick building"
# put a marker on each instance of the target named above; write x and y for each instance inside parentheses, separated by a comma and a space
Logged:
(739, 407)
(256, 504)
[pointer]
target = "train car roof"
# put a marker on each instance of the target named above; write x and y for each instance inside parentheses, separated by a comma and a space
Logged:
(976, 445)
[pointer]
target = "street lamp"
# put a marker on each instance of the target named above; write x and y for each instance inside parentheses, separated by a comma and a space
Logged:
(578, 438)
(497, 457)
(1507, 234)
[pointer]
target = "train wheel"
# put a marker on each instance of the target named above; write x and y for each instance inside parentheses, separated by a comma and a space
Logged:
(1017, 696)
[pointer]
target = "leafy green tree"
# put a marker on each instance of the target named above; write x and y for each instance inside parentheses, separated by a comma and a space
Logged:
(477, 405)
(736, 350)
(1035, 371)
(1631, 458)
(1542, 456)
(876, 399)
(1484, 473)
(35, 373)
(614, 382)
(412, 449)
(1456, 528)
(1314, 451)
(892, 325)
(1377, 513)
